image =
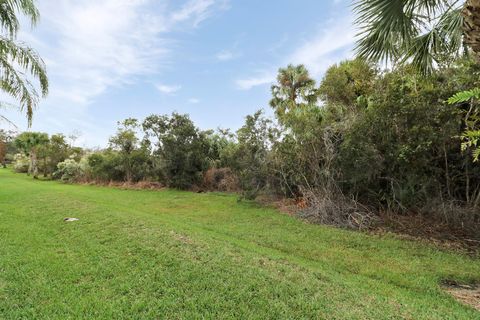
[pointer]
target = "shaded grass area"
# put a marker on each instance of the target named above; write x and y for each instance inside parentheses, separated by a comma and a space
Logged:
(177, 255)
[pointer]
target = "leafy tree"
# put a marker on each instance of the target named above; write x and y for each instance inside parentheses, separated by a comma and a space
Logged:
(17, 58)
(347, 82)
(126, 143)
(29, 142)
(52, 153)
(180, 148)
(425, 32)
(106, 165)
(252, 155)
(6, 145)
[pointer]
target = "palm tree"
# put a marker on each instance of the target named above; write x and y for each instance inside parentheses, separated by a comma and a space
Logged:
(423, 32)
(29, 142)
(293, 90)
(17, 59)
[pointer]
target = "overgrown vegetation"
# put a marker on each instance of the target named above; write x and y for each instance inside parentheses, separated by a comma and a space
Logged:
(361, 142)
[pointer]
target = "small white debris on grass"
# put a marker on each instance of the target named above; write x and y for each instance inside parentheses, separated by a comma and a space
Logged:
(70, 219)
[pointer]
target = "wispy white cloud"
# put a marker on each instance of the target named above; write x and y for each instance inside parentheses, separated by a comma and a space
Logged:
(225, 55)
(168, 89)
(193, 100)
(93, 45)
(197, 10)
(90, 45)
(332, 43)
(262, 78)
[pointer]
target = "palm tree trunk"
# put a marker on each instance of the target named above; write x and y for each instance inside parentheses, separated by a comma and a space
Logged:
(471, 26)
(33, 163)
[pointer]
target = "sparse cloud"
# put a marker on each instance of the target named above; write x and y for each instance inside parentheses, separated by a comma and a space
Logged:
(99, 44)
(197, 10)
(331, 43)
(261, 78)
(168, 89)
(193, 100)
(225, 55)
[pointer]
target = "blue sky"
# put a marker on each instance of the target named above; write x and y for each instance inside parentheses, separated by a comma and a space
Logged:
(214, 59)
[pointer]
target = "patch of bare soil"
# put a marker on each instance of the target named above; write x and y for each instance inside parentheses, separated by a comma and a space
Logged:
(141, 185)
(418, 227)
(284, 205)
(466, 294)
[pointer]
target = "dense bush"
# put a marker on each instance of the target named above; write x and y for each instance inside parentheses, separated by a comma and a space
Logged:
(221, 179)
(21, 163)
(180, 150)
(71, 170)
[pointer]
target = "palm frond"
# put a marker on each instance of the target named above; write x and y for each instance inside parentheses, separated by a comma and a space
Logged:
(420, 32)
(26, 58)
(385, 26)
(8, 14)
(16, 83)
(19, 87)
(465, 96)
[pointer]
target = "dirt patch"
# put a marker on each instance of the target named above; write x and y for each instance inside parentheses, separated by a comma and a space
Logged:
(468, 294)
(141, 185)
(418, 227)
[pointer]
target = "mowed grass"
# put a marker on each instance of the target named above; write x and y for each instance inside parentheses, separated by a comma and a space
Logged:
(181, 255)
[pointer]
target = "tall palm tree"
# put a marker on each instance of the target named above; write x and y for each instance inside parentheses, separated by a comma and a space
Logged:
(423, 32)
(29, 142)
(294, 89)
(17, 60)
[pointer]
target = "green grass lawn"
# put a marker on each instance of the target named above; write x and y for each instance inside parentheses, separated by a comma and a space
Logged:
(181, 255)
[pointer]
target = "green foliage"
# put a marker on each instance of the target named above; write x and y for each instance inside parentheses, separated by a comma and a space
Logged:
(346, 82)
(71, 170)
(386, 139)
(471, 135)
(131, 155)
(21, 163)
(465, 96)
(375, 140)
(29, 143)
(252, 154)
(106, 166)
(421, 32)
(294, 90)
(472, 138)
(180, 149)
(15, 55)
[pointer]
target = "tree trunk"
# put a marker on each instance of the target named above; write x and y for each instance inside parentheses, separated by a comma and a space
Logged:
(33, 164)
(471, 26)
(45, 169)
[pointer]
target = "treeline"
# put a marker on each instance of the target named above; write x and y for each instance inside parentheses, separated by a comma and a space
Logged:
(362, 141)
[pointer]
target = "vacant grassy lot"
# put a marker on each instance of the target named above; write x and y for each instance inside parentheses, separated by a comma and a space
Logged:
(177, 255)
